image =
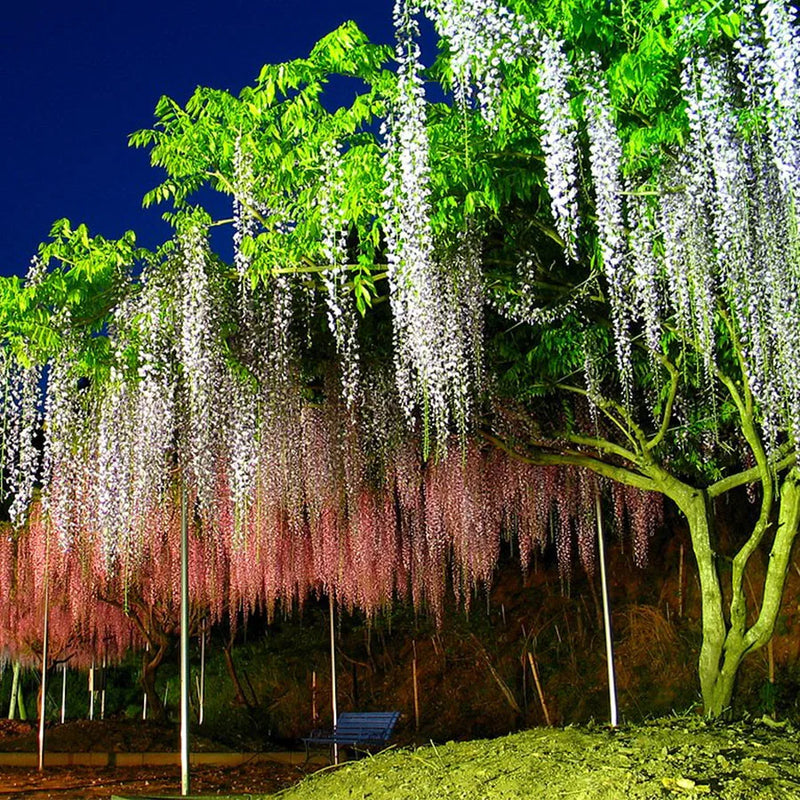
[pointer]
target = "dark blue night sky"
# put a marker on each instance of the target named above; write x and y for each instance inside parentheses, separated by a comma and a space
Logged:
(76, 79)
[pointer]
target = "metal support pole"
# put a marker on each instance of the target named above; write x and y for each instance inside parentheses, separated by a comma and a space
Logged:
(103, 689)
(333, 678)
(91, 691)
(202, 692)
(612, 682)
(46, 634)
(63, 691)
(185, 685)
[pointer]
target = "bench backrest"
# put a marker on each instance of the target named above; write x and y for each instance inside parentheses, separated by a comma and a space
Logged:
(366, 725)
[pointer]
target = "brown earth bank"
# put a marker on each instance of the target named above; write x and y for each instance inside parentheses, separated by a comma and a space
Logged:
(100, 736)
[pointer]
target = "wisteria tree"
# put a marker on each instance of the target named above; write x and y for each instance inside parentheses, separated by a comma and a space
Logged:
(443, 320)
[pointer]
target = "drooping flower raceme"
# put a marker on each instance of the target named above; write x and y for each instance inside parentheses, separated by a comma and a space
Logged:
(244, 222)
(199, 354)
(482, 35)
(341, 312)
(430, 364)
(22, 454)
(605, 159)
(782, 62)
(559, 141)
(156, 387)
(22, 403)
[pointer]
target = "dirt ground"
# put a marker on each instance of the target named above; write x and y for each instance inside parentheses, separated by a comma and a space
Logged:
(71, 783)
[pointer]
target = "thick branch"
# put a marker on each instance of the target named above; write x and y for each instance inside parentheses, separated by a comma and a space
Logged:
(788, 521)
(737, 349)
(602, 445)
(739, 563)
(749, 476)
(672, 394)
(541, 458)
(621, 418)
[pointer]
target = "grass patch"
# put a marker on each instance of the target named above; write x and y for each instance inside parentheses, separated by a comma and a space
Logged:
(681, 758)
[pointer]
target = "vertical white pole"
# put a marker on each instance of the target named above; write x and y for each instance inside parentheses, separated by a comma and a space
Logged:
(103, 690)
(144, 699)
(185, 685)
(91, 691)
(333, 677)
(43, 704)
(63, 691)
(202, 692)
(612, 683)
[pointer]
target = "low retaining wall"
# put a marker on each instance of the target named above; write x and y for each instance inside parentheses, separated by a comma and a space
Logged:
(151, 759)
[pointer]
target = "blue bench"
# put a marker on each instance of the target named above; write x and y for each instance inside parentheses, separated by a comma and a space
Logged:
(357, 729)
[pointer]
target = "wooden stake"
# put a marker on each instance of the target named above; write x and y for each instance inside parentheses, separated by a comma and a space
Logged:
(771, 657)
(680, 583)
(539, 688)
(416, 686)
(314, 713)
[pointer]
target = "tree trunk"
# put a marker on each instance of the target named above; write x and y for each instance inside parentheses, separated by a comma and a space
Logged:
(697, 507)
(725, 645)
(718, 687)
(12, 706)
(151, 661)
(240, 698)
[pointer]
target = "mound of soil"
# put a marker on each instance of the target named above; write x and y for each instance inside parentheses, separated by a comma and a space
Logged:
(671, 758)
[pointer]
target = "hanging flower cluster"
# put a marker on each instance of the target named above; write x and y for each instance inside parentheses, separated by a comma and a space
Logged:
(605, 160)
(777, 69)
(81, 625)
(729, 224)
(717, 226)
(413, 530)
(21, 454)
(245, 223)
(482, 36)
(341, 312)
(199, 357)
(559, 141)
(431, 355)
(22, 413)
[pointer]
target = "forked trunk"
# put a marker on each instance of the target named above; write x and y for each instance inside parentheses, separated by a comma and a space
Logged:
(726, 643)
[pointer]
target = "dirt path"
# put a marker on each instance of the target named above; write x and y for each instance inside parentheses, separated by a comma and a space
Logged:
(72, 783)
